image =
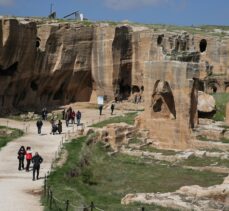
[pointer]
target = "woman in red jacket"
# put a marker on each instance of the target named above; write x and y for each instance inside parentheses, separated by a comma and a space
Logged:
(28, 157)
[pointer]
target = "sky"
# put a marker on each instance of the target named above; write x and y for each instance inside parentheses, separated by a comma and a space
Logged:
(176, 12)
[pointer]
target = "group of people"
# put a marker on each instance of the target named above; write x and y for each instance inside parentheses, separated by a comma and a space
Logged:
(27, 154)
(56, 127)
(71, 116)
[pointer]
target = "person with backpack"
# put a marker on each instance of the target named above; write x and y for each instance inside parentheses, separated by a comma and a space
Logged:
(39, 125)
(36, 160)
(21, 157)
(28, 157)
(78, 117)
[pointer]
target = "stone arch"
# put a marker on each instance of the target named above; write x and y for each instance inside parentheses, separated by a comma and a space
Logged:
(203, 45)
(213, 86)
(162, 103)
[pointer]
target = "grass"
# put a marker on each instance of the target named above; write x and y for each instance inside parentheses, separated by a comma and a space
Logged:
(89, 174)
(5, 138)
(204, 138)
(206, 161)
(163, 151)
(221, 101)
(127, 118)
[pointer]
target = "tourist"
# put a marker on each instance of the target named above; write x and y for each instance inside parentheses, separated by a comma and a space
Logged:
(39, 125)
(100, 109)
(63, 114)
(44, 113)
(21, 157)
(112, 108)
(59, 127)
(54, 127)
(78, 117)
(36, 160)
(28, 157)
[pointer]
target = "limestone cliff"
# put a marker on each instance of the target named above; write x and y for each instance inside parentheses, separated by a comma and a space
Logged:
(46, 63)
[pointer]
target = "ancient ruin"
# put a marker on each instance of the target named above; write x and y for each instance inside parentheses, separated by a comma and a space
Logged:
(49, 63)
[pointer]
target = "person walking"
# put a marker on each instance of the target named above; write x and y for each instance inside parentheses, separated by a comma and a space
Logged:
(59, 127)
(100, 109)
(112, 108)
(21, 157)
(36, 160)
(78, 117)
(39, 125)
(28, 157)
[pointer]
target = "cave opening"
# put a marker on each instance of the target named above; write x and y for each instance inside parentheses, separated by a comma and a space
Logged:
(135, 89)
(159, 40)
(163, 104)
(201, 86)
(33, 85)
(125, 81)
(157, 105)
(38, 42)
(203, 45)
(9, 71)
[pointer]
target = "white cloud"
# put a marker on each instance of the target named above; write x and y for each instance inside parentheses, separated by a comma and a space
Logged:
(6, 3)
(129, 4)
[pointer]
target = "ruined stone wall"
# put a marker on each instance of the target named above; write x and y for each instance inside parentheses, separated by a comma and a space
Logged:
(170, 102)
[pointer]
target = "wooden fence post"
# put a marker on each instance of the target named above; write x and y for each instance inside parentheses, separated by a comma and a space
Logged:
(92, 206)
(50, 204)
(67, 205)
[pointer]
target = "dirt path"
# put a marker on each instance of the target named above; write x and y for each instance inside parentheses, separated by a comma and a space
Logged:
(17, 190)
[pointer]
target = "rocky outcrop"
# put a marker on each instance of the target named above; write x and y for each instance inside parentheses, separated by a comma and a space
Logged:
(186, 198)
(49, 63)
(206, 103)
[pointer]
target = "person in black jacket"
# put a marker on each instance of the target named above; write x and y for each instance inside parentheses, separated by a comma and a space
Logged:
(21, 157)
(39, 125)
(36, 160)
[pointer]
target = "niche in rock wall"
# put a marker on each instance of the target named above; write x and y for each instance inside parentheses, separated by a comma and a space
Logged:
(9, 71)
(81, 91)
(38, 40)
(34, 85)
(59, 94)
(162, 103)
(124, 81)
(201, 86)
(135, 89)
(203, 45)
(212, 86)
(159, 40)
(193, 103)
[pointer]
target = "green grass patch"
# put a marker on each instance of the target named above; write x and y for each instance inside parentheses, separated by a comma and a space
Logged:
(163, 151)
(221, 101)
(206, 161)
(8, 134)
(90, 174)
(204, 138)
(127, 118)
